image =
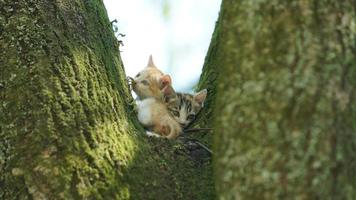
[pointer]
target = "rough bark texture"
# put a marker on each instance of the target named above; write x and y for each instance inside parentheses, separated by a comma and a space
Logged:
(285, 107)
(67, 130)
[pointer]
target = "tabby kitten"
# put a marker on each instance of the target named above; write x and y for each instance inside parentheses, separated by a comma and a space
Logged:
(188, 107)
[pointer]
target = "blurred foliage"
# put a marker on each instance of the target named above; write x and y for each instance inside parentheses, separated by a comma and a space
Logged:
(166, 8)
(285, 108)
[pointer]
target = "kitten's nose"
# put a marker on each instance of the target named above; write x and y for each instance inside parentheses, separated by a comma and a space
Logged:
(182, 124)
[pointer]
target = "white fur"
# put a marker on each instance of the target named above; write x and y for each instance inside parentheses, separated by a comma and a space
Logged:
(144, 111)
(153, 114)
(182, 114)
(152, 134)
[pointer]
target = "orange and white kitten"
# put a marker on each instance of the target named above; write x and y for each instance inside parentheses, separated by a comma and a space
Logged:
(155, 93)
(150, 81)
(155, 116)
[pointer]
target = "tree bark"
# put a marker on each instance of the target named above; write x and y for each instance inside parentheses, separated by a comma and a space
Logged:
(284, 100)
(67, 129)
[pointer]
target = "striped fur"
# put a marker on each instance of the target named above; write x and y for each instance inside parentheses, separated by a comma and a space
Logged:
(187, 106)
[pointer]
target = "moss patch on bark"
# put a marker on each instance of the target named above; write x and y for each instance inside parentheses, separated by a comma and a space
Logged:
(67, 129)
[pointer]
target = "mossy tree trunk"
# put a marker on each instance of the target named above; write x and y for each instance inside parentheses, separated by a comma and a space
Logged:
(284, 107)
(67, 130)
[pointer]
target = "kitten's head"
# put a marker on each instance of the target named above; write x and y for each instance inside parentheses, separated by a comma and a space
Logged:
(187, 106)
(150, 81)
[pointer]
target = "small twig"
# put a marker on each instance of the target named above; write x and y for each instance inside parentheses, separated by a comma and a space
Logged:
(120, 42)
(113, 21)
(203, 146)
(196, 130)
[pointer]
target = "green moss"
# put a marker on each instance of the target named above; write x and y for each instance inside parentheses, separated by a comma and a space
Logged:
(67, 130)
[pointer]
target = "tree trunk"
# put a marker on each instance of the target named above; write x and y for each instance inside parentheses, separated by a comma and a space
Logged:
(285, 109)
(67, 129)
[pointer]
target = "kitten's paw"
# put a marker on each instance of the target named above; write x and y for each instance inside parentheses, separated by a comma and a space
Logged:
(130, 81)
(152, 134)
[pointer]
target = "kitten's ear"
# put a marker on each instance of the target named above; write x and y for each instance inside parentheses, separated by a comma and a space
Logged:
(150, 62)
(200, 96)
(165, 80)
(168, 93)
(168, 90)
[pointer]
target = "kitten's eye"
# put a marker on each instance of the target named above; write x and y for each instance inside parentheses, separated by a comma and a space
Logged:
(175, 113)
(145, 82)
(191, 117)
(138, 75)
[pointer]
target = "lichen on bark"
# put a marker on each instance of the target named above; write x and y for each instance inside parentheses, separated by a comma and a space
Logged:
(284, 109)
